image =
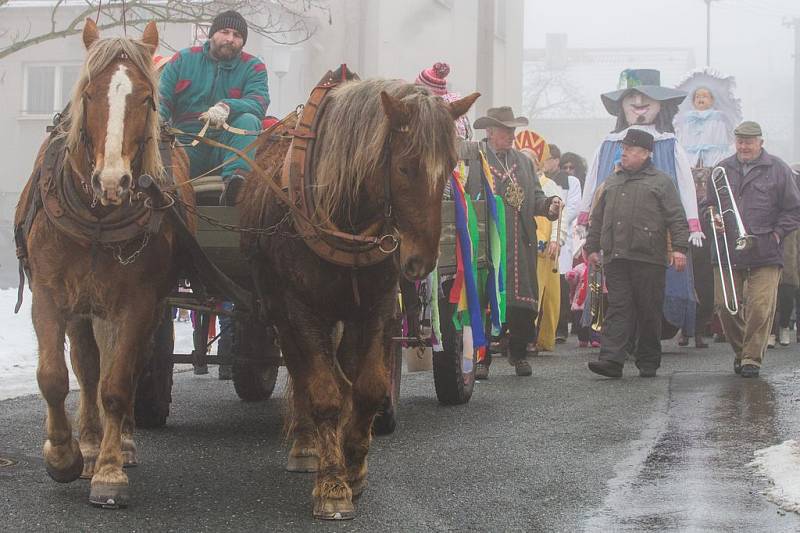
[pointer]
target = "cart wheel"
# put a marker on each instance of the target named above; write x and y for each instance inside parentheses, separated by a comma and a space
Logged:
(154, 389)
(254, 383)
(253, 380)
(386, 420)
(453, 375)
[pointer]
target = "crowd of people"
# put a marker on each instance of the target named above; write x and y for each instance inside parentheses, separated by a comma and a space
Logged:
(626, 258)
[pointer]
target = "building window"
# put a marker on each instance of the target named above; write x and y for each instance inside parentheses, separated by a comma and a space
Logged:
(48, 87)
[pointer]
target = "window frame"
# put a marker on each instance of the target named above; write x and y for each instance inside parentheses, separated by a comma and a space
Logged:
(58, 82)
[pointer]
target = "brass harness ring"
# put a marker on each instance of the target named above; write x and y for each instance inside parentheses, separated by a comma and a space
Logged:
(394, 243)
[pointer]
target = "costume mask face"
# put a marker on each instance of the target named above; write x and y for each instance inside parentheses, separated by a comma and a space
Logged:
(703, 99)
(640, 109)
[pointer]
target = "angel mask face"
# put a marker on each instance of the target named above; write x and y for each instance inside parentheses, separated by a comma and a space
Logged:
(640, 109)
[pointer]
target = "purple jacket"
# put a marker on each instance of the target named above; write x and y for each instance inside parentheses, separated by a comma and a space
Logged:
(769, 202)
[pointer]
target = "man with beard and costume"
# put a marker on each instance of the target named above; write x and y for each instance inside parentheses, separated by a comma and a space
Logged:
(217, 84)
(515, 181)
(642, 103)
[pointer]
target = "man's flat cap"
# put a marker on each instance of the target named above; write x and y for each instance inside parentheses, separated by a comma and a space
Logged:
(748, 128)
(637, 137)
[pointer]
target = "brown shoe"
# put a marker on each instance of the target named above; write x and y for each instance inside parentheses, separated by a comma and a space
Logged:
(481, 371)
(522, 367)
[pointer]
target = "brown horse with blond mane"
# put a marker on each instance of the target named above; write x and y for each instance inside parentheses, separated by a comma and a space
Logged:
(383, 150)
(100, 258)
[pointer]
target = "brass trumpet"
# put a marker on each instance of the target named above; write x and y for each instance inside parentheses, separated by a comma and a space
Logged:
(723, 191)
(596, 292)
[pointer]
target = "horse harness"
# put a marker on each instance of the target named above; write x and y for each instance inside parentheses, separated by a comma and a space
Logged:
(64, 202)
(372, 246)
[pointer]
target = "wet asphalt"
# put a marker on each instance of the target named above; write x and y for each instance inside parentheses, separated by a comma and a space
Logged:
(563, 450)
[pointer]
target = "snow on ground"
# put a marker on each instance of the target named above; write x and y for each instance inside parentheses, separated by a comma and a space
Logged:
(19, 352)
(780, 464)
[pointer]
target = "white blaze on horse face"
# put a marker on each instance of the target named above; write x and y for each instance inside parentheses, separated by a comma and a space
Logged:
(114, 165)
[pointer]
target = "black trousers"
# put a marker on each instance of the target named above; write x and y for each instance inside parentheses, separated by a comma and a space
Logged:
(633, 317)
(519, 330)
(564, 311)
(783, 310)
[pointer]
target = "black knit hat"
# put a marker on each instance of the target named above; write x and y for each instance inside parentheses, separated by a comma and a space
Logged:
(229, 19)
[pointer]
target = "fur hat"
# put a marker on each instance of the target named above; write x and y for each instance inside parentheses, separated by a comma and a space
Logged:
(229, 19)
(434, 78)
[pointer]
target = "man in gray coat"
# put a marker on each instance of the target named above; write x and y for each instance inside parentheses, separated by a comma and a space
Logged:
(630, 218)
(769, 202)
(516, 182)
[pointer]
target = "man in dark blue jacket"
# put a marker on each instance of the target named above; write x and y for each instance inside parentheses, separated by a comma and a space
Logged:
(769, 202)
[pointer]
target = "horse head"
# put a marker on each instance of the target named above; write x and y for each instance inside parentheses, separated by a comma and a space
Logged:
(421, 159)
(114, 113)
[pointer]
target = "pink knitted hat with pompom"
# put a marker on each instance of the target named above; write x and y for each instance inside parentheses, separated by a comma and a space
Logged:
(434, 78)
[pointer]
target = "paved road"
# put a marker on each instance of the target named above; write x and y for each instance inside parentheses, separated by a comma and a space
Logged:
(561, 451)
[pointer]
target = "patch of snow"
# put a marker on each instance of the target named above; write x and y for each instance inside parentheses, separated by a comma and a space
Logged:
(780, 464)
(19, 353)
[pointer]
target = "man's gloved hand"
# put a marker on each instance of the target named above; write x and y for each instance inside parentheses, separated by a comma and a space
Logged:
(216, 114)
(696, 238)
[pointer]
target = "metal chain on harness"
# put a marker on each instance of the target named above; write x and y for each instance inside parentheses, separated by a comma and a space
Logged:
(116, 250)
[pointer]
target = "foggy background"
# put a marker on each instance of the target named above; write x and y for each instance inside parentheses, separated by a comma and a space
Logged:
(749, 40)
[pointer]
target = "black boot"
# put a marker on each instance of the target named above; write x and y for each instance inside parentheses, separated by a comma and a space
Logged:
(609, 369)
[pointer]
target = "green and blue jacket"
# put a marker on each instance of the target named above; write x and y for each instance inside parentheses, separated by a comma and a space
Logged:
(193, 81)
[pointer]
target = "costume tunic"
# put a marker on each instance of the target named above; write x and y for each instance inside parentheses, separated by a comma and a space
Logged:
(512, 171)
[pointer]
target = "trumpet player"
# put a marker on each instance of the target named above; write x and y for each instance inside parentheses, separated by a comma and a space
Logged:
(629, 223)
(768, 201)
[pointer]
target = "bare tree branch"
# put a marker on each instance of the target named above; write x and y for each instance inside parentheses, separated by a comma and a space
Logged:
(548, 91)
(280, 21)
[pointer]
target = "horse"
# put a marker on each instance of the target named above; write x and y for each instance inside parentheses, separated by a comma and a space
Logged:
(382, 148)
(100, 258)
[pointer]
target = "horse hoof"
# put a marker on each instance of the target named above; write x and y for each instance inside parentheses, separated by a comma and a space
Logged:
(69, 474)
(88, 468)
(109, 495)
(302, 463)
(358, 487)
(334, 509)
(129, 459)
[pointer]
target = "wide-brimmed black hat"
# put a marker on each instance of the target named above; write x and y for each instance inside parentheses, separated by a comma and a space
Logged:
(500, 116)
(640, 138)
(644, 80)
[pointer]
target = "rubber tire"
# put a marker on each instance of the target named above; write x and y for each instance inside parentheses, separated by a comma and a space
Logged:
(386, 420)
(255, 382)
(453, 385)
(154, 388)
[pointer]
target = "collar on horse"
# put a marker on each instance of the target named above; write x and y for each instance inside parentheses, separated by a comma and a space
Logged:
(65, 203)
(373, 245)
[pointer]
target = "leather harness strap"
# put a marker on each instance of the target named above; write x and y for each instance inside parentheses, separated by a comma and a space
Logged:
(370, 247)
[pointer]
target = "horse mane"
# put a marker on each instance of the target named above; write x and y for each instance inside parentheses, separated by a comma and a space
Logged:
(352, 136)
(99, 56)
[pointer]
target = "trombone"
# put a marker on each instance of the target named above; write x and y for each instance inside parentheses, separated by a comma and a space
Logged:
(596, 292)
(722, 187)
